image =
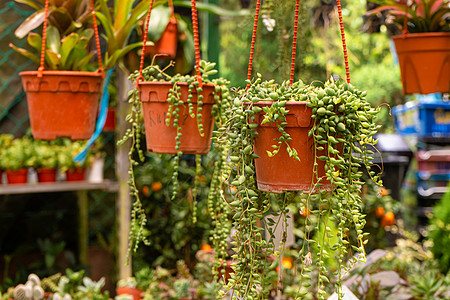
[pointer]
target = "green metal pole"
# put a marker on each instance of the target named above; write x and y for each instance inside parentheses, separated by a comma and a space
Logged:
(212, 36)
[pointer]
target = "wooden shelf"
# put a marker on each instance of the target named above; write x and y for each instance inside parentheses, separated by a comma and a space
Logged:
(30, 188)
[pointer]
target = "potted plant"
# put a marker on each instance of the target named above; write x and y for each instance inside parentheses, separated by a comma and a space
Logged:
(129, 287)
(74, 171)
(5, 140)
(423, 48)
(337, 125)
(16, 158)
(45, 160)
(64, 81)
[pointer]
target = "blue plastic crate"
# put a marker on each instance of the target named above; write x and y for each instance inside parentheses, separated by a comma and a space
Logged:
(423, 119)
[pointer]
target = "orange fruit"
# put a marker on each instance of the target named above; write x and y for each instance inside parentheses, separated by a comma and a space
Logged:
(206, 247)
(388, 219)
(379, 212)
(304, 212)
(146, 191)
(156, 186)
(382, 192)
(287, 262)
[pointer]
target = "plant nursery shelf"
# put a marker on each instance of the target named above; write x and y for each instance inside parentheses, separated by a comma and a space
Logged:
(107, 185)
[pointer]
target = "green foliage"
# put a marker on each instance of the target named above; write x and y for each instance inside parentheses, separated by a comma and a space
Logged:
(153, 73)
(16, 154)
(67, 45)
(439, 232)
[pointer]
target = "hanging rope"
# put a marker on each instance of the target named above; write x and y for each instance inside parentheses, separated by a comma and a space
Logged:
(172, 10)
(252, 47)
(344, 46)
(294, 42)
(405, 20)
(196, 41)
(44, 39)
(97, 39)
(141, 64)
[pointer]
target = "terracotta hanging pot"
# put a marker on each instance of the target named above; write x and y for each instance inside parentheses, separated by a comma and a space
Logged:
(424, 60)
(46, 174)
(17, 176)
(167, 43)
(77, 174)
(160, 137)
(132, 291)
(62, 103)
(282, 172)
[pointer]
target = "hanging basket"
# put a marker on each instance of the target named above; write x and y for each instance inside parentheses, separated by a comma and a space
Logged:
(168, 42)
(281, 172)
(424, 60)
(62, 103)
(160, 137)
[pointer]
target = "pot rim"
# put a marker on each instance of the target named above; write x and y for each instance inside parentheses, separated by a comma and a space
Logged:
(144, 83)
(63, 73)
(421, 35)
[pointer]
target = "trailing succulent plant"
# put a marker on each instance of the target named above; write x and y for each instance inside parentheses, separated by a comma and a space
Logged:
(154, 73)
(342, 131)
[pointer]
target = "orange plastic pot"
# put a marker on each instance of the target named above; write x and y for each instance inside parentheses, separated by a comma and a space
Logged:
(160, 137)
(77, 174)
(424, 60)
(282, 172)
(167, 43)
(62, 103)
(46, 174)
(132, 291)
(0, 176)
(17, 176)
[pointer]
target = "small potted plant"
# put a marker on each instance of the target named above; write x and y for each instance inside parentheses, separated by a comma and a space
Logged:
(129, 287)
(45, 160)
(74, 171)
(15, 160)
(5, 140)
(423, 48)
(65, 80)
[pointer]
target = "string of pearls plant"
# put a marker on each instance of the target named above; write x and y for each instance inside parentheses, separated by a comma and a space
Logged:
(154, 73)
(343, 129)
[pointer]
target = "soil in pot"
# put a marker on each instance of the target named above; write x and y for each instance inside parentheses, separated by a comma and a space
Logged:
(160, 137)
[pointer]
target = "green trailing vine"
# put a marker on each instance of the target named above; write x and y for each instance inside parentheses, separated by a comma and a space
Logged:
(343, 130)
(154, 73)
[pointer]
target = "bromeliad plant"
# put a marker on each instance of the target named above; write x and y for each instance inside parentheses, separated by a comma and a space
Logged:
(422, 15)
(173, 117)
(69, 52)
(342, 131)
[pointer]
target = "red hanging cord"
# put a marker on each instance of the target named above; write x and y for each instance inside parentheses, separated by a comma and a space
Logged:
(196, 41)
(97, 39)
(405, 20)
(172, 10)
(294, 42)
(344, 46)
(252, 47)
(147, 21)
(44, 39)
